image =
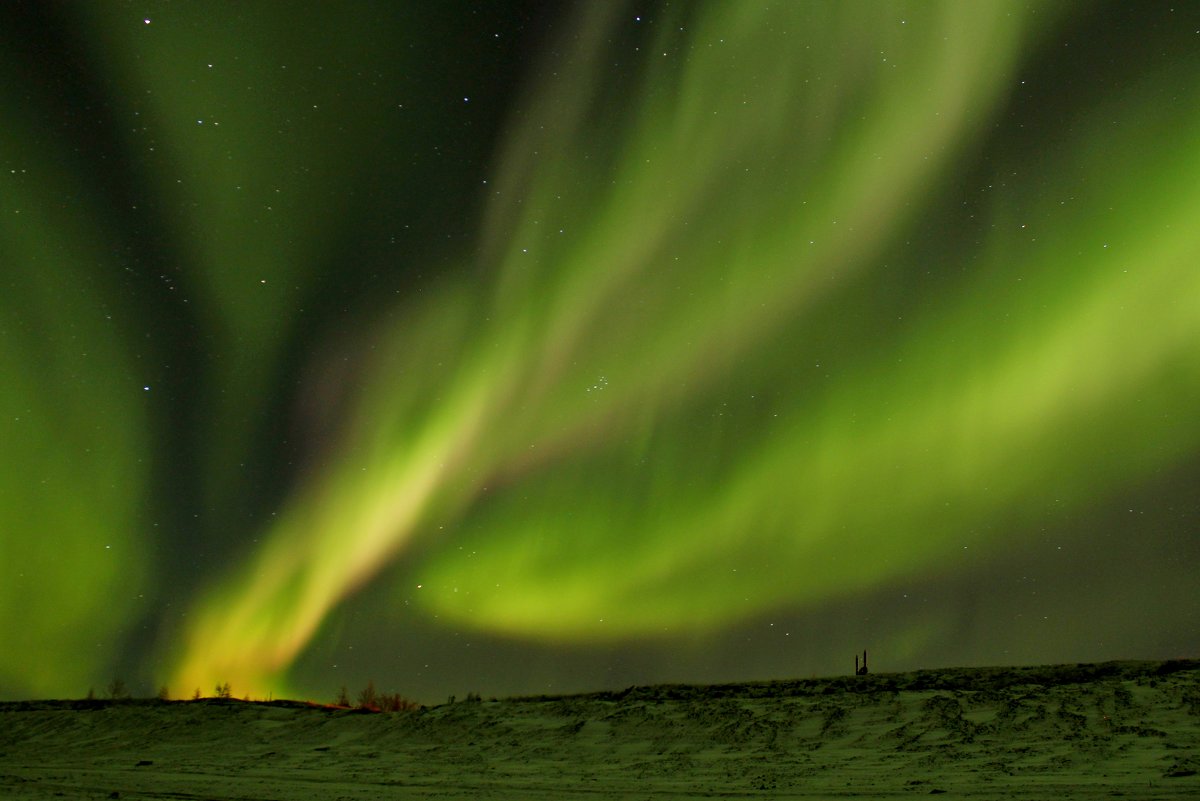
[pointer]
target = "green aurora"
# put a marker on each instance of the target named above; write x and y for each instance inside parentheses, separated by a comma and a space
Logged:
(764, 311)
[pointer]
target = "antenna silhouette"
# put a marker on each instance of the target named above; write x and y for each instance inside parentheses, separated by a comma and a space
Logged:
(860, 671)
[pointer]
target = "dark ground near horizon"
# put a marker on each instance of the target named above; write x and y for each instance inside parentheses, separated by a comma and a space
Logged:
(1075, 731)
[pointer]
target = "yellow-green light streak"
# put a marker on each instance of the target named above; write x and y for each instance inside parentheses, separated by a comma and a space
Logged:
(724, 204)
(629, 431)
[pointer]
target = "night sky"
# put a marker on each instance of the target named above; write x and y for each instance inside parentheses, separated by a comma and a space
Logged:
(515, 347)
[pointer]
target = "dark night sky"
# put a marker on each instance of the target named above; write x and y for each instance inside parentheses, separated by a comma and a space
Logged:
(522, 347)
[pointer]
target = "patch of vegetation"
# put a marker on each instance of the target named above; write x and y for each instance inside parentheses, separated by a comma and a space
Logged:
(372, 700)
(118, 691)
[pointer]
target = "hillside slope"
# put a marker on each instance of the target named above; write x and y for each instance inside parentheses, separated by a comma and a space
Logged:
(1078, 731)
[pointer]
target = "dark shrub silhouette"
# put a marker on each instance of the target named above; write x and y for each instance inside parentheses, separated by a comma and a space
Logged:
(368, 698)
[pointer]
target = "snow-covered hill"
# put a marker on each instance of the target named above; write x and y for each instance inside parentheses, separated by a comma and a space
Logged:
(1063, 732)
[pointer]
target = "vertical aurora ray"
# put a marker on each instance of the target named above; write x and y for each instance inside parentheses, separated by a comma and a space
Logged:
(250, 134)
(73, 451)
(625, 411)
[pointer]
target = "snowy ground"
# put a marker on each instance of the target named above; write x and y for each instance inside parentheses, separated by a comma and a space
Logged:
(1067, 732)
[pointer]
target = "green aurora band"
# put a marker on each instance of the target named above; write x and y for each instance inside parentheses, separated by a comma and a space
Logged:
(628, 411)
(691, 379)
(74, 441)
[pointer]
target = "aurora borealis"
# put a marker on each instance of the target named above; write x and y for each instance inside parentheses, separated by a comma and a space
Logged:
(515, 348)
